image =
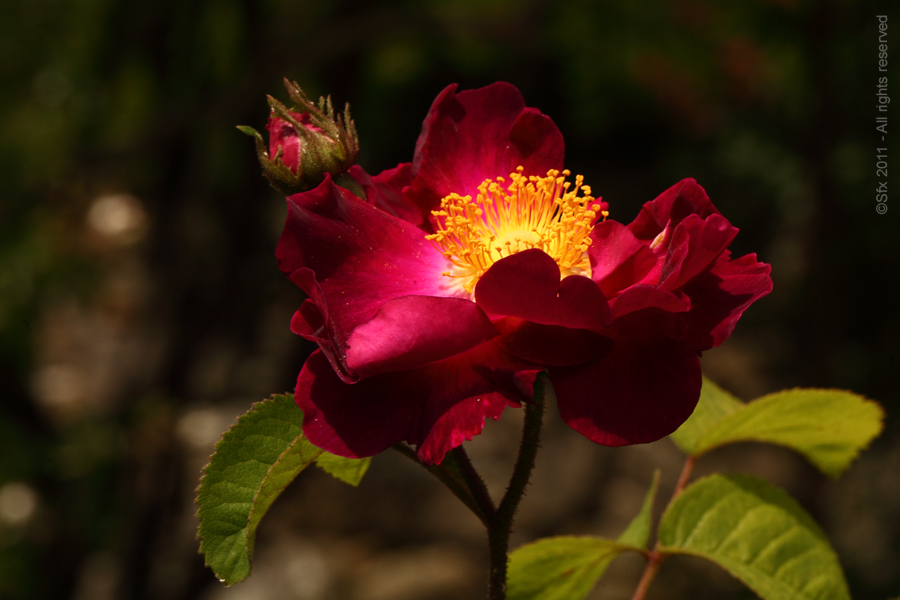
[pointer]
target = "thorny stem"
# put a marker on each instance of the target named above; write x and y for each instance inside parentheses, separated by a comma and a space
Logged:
(655, 557)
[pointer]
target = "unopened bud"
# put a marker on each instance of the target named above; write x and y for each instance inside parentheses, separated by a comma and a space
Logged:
(306, 142)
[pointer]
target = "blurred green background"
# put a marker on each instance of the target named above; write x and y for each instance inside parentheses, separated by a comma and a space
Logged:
(141, 309)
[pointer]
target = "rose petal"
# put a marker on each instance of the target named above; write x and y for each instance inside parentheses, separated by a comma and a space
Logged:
(351, 258)
(283, 136)
(619, 259)
(308, 321)
(643, 296)
(526, 285)
(638, 393)
(476, 135)
(669, 208)
(412, 331)
(554, 345)
(385, 191)
(435, 407)
(721, 295)
(696, 243)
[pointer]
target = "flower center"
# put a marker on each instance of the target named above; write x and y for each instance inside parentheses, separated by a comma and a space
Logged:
(531, 212)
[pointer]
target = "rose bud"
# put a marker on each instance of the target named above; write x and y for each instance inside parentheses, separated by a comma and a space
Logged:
(306, 142)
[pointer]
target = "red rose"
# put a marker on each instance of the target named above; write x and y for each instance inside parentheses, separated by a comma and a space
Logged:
(433, 311)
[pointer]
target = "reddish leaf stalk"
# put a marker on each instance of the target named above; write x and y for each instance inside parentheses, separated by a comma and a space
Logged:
(655, 557)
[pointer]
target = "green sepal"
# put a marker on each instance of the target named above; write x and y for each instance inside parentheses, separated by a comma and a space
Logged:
(247, 130)
(756, 532)
(828, 427)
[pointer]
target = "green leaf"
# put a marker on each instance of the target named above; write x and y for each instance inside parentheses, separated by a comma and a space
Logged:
(348, 470)
(714, 404)
(568, 567)
(252, 464)
(758, 533)
(560, 568)
(829, 427)
(638, 531)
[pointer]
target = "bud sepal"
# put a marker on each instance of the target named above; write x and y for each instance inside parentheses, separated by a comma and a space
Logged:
(305, 142)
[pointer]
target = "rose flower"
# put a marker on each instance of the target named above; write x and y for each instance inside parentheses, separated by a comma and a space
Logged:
(436, 298)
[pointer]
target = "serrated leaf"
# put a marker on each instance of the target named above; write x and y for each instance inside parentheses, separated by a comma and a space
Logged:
(638, 531)
(348, 470)
(758, 533)
(828, 427)
(560, 568)
(714, 404)
(252, 464)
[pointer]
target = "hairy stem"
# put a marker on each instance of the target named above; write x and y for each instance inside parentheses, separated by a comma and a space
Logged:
(655, 558)
(501, 524)
(460, 476)
(458, 460)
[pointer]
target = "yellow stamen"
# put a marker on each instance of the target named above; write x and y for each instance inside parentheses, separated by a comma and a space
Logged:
(532, 212)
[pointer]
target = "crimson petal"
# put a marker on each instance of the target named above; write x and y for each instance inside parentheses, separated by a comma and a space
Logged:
(435, 407)
(638, 393)
(721, 295)
(618, 258)
(643, 296)
(553, 345)
(351, 259)
(415, 330)
(476, 135)
(682, 199)
(696, 243)
(526, 285)
(385, 191)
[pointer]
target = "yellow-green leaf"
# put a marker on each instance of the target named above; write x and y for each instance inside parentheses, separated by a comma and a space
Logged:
(348, 470)
(252, 464)
(714, 404)
(560, 568)
(568, 567)
(828, 427)
(638, 531)
(759, 534)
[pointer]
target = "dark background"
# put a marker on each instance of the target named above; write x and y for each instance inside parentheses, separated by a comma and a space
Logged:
(141, 309)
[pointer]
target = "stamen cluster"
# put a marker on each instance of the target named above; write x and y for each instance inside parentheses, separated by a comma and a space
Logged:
(531, 212)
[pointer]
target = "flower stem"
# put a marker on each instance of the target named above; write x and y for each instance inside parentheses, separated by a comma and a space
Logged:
(458, 461)
(501, 524)
(450, 477)
(655, 557)
(457, 473)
